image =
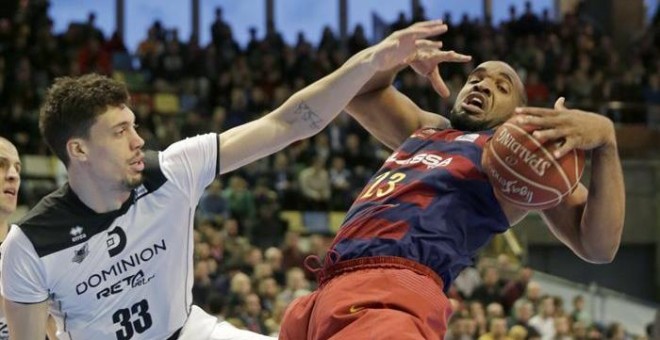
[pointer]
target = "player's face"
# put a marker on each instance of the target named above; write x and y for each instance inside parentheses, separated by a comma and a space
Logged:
(115, 149)
(10, 178)
(492, 91)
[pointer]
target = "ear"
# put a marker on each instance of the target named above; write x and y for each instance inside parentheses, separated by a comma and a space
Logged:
(77, 149)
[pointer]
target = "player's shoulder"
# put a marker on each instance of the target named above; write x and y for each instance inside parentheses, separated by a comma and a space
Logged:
(60, 220)
(478, 138)
(154, 177)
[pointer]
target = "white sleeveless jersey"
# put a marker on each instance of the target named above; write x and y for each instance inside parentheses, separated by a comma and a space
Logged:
(125, 274)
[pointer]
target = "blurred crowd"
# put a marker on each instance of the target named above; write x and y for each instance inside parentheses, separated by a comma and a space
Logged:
(248, 263)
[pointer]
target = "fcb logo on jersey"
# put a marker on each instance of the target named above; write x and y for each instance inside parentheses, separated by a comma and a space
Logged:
(80, 254)
(470, 137)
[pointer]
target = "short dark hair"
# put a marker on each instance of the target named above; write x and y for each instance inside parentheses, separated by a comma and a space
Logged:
(71, 108)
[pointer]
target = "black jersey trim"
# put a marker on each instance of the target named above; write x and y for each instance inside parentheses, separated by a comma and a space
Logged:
(61, 220)
(217, 156)
(154, 177)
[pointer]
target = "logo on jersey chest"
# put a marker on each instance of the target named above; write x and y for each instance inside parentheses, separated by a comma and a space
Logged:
(77, 233)
(470, 137)
(131, 281)
(430, 160)
(80, 254)
(116, 241)
(120, 269)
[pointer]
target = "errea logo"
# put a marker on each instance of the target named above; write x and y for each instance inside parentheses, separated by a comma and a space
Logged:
(77, 233)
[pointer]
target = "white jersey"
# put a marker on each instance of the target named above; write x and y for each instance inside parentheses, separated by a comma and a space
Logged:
(125, 274)
(4, 330)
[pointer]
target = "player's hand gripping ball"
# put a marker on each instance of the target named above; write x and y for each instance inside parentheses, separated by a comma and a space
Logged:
(524, 172)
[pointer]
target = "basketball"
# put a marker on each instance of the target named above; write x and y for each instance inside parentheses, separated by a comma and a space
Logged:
(525, 173)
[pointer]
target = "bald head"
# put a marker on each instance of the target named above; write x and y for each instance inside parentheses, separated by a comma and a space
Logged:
(507, 69)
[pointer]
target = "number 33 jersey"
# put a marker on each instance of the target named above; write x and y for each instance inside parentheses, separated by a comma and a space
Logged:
(125, 274)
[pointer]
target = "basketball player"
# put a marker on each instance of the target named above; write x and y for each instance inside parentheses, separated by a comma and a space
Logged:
(10, 181)
(109, 254)
(425, 214)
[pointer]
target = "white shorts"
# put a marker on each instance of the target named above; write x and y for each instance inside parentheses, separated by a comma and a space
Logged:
(201, 325)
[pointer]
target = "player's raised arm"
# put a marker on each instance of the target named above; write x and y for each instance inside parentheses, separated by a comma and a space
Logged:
(308, 111)
(26, 321)
(387, 113)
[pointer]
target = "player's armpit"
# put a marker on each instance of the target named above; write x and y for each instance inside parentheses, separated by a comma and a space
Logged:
(26, 321)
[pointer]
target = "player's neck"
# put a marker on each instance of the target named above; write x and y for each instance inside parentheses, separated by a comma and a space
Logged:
(4, 227)
(99, 196)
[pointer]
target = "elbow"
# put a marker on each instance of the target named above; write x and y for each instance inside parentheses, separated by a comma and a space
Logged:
(602, 246)
(604, 256)
(600, 259)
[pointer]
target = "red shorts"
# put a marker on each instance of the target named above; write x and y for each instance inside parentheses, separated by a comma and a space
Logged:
(371, 298)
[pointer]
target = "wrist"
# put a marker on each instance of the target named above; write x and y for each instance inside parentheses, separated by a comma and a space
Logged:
(609, 142)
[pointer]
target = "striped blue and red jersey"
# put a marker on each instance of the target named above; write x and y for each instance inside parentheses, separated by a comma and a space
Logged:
(430, 202)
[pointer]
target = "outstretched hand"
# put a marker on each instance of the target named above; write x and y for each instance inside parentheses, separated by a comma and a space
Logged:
(410, 46)
(426, 61)
(576, 129)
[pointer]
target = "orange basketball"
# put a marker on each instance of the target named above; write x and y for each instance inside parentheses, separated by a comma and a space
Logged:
(524, 172)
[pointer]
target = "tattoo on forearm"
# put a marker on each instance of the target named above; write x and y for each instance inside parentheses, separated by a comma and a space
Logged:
(304, 112)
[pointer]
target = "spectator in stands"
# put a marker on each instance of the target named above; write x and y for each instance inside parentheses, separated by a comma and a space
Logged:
(537, 91)
(268, 290)
(241, 201)
(268, 228)
(563, 328)
(523, 312)
(92, 58)
(494, 310)
(295, 284)
(235, 244)
(579, 312)
(616, 331)
(533, 294)
(252, 314)
(544, 321)
(497, 330)
(467, 281)
(515, 289)
(273, 256)
(358, 40)
(213, 206)
(315, 187)
(490, 289)
(478, 314)
(202, 286)
(518, 333)
(240, 288)
(460, 328)
(579, 329)
(218, 26)
(340, 181)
